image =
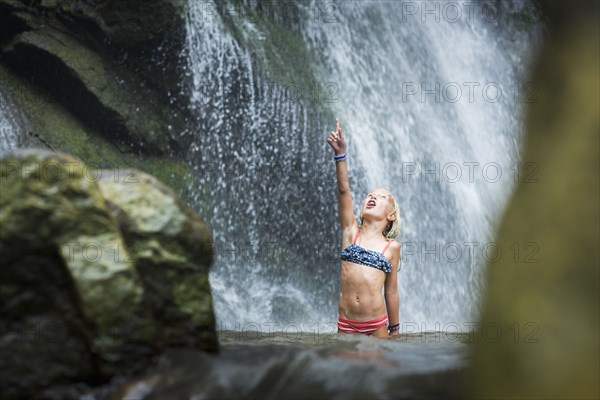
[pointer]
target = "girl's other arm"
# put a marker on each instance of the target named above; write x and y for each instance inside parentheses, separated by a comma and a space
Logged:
(392, 298)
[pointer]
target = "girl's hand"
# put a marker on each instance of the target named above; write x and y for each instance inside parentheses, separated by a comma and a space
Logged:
(336, 140)
(395, 332)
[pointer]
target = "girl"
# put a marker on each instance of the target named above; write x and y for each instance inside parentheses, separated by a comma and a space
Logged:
(369, 257)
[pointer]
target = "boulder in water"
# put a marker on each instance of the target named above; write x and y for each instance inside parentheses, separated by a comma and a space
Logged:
(99, 274)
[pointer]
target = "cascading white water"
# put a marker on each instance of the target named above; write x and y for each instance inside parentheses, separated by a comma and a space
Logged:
(431, 107)
(9, 138)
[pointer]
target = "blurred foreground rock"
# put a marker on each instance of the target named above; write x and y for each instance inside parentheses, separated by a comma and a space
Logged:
(539, 330)
(100, 272)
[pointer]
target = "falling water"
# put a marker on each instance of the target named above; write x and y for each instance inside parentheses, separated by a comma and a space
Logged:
(9, 125)
(430, 105)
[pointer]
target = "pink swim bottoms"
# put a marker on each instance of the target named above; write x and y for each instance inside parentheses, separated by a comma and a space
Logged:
(364, 327)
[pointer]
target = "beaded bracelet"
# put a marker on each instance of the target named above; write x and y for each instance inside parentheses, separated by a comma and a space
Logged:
(394, 327)
(341, 157)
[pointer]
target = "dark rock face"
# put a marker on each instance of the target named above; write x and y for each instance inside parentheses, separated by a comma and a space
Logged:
(115, 65)
(100, 271)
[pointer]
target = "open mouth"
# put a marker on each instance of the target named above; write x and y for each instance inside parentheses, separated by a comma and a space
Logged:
(371, 204)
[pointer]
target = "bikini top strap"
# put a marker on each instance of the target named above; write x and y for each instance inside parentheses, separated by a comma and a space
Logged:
(356, 236)
(386, 246)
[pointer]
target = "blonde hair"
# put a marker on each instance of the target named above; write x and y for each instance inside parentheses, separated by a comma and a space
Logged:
(392, 230)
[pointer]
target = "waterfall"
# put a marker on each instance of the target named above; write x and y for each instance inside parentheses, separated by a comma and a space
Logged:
(9, 125)
(429, 96)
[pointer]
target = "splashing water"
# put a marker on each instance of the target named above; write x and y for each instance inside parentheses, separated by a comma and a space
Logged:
(9, 138)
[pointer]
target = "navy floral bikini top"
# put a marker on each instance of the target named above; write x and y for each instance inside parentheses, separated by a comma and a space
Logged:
(371, 258)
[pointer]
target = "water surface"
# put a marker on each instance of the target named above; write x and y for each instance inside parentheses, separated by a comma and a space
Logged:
(308, 365)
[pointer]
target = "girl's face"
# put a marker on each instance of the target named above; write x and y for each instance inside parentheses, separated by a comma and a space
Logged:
(378, 202)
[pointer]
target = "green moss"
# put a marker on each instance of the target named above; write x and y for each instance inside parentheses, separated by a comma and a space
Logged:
(191, 293)
(173, 173)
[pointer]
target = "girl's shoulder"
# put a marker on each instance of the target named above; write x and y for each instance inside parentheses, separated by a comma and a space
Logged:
(392, 243)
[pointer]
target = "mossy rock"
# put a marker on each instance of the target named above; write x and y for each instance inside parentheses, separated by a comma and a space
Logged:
(113, 271)
(170, 246)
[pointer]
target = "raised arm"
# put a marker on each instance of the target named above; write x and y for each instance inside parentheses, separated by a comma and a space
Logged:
(346, 214)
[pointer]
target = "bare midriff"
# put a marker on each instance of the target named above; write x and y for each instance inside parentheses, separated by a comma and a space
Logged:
(361, 298)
